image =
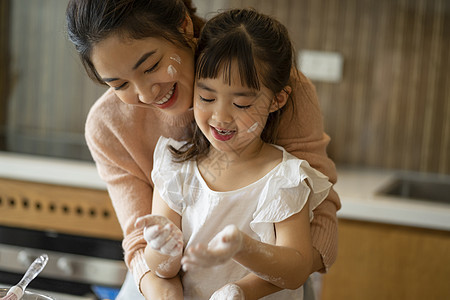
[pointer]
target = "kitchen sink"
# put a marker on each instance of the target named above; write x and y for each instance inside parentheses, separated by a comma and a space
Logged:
(418, 186)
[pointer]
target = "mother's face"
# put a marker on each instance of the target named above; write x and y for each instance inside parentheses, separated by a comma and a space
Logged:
(149, 72)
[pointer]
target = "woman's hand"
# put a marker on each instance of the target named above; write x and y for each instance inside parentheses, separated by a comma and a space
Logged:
(220, 249)
(161, 234)
(230, 291)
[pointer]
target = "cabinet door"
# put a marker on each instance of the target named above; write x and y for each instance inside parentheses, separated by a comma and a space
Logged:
(379, 261)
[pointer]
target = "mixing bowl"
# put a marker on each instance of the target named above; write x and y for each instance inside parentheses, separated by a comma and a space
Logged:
(28, 295)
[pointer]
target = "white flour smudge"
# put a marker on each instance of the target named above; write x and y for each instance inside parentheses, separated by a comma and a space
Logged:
(253, 127)
(176, 58)
(171, 71)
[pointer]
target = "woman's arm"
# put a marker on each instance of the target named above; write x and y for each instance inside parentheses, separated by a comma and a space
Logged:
(301, 133)
(286, 264)
(124, 162)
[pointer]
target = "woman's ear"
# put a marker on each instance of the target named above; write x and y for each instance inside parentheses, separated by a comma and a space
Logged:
(280, 99)
(187, 28)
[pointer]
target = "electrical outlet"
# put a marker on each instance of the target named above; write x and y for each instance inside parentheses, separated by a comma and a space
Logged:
(321, 65)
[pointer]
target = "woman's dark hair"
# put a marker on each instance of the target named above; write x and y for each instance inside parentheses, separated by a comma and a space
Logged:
(264, 54)
(91, 21)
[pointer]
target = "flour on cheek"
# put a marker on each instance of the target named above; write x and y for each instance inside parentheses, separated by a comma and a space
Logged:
(171, 71)
(253, 127)
(199, 106)
(176, 57)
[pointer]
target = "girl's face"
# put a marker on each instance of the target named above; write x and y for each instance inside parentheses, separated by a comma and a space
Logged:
(232, 117)
(150, 72)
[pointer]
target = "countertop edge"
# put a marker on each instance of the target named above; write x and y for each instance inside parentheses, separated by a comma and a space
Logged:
(50, 170)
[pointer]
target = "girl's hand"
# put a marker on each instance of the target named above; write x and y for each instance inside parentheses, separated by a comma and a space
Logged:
(161, 234)
(220, 249)
(230, 291)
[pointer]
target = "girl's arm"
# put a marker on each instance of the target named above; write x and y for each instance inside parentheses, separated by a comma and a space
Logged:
(164, 238)
(287, 264)
(157, 288)
(251, 287)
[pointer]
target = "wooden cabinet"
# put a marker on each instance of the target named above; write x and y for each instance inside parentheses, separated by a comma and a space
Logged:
(380, 261)
(62, 209)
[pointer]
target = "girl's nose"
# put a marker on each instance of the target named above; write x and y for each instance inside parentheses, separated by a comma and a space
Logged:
(221, 114)
(147, 94)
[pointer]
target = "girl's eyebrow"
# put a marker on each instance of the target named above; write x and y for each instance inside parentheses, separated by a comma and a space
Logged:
(236, 94)
(140, 61)
(205, 87)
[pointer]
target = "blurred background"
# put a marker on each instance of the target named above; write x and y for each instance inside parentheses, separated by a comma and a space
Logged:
(381, 70)
(389, 106)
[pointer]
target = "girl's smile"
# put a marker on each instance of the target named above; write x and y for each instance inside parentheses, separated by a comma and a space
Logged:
(222, 134)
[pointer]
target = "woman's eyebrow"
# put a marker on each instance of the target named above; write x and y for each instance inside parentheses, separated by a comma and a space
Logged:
(138, 63)
(109, 79)
(143, 58)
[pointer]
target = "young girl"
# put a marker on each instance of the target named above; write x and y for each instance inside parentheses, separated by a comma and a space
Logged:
(240, 205)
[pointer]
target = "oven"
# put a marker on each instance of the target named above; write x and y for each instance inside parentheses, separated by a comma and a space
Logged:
(79, 267)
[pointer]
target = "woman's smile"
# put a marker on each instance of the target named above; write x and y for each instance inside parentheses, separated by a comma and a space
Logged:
(168, 100)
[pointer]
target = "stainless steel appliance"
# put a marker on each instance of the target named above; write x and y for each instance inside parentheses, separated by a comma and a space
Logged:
(77, 265)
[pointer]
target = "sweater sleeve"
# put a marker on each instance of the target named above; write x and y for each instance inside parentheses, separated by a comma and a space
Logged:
(126, 174)
(301, 133)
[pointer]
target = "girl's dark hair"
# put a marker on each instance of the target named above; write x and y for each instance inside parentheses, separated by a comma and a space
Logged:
(91, 21)
(264, 54)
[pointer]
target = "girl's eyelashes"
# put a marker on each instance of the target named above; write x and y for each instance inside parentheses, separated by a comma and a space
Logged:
(236, 105)
(152, 68)
(205, 100)
(242, 106)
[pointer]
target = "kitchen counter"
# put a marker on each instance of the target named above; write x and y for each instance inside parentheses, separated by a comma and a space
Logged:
(357, 187)
(50, 170)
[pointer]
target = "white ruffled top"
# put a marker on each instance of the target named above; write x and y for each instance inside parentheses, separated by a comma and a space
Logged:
(254, 209)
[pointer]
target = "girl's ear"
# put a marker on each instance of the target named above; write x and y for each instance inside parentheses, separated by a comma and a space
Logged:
(280, 99)
(187, 28)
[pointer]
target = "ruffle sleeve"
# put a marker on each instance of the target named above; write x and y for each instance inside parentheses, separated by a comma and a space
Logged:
(286, 193)
(167, 175)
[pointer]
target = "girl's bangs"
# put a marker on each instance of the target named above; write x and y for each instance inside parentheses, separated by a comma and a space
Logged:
(220, 55)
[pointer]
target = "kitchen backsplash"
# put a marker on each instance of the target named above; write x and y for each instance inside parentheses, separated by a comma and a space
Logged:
(391, 108)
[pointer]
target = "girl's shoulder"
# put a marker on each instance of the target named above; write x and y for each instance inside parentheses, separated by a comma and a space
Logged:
(163, 156)
(295, 169)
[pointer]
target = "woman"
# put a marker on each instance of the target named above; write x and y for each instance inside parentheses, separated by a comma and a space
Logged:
(144, 50)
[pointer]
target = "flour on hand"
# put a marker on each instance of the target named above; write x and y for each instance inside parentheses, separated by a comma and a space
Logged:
(220, 249)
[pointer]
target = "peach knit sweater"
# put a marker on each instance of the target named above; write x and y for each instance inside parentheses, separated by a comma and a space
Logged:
(122, 139)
